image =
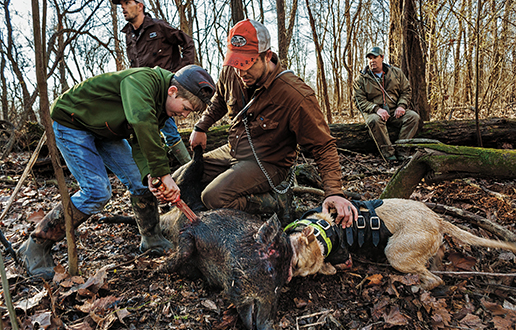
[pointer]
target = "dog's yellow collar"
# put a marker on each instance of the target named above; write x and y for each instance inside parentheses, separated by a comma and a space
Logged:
(320, 226)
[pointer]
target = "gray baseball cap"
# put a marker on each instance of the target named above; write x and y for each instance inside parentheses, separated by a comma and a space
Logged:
(117, 2)
(376, 51)
(197, 81)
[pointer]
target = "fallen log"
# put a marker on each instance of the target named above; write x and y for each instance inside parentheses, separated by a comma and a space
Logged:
(438, 162)
(495, 133)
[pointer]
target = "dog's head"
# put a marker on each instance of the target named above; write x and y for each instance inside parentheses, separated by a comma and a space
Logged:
(308, 257)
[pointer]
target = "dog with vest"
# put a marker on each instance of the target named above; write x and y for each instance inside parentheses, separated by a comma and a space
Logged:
(406, 232)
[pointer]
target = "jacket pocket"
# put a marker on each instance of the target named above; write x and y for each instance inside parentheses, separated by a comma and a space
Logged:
(264, 128)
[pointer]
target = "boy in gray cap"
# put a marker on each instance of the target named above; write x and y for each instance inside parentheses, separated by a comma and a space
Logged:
(382, 94)
(112, 121)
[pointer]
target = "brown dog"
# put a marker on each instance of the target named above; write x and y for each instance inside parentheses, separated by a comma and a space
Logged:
(417, 234)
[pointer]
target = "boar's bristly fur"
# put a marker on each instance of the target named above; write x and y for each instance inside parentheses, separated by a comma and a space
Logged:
(248, 258)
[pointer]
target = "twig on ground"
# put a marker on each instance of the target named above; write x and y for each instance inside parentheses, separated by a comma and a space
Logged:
(484, 223)
(311, 315)
(31, 162)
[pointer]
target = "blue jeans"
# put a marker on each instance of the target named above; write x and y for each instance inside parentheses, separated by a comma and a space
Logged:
(87, 157)
(170, 132)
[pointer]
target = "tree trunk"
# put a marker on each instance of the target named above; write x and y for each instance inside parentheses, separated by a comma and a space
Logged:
(437, 162)
(320, 64)
(282, 33)
(395, 33)
(119, 54)
(414, 61)
(41, 77)
(3, 82)
(496, 133)
(237, 11)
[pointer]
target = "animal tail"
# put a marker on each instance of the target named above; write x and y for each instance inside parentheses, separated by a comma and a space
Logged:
(471, 239)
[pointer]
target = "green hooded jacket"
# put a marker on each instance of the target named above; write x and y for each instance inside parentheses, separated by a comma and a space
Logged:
(368, 95)
(127, 104)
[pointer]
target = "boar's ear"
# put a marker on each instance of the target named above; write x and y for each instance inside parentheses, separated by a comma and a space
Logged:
(308, 231)
(268, 231)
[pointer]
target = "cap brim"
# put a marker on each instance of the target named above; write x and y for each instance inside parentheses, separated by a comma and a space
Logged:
(239, 60)
(116, 2)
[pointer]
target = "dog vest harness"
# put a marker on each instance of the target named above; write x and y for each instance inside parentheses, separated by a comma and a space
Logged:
(366, 220)
(368, 235)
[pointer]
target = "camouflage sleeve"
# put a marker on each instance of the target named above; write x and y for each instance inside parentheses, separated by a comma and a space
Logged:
(360, 97)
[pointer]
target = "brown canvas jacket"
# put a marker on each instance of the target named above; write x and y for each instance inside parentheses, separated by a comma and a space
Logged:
(284, 114)
(158, 44)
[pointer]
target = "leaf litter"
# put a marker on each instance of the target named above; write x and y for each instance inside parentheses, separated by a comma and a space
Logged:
(115, 288)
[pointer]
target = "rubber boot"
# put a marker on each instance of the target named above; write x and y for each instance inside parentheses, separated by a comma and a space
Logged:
(180, 152)
(34, 253)
(263, 204)
(284, 204)
(146, 213)
(271, 202)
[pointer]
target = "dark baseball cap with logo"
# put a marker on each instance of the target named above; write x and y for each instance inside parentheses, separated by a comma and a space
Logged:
(197, 81)
(375, 51)
(246, 40)
(117, 2)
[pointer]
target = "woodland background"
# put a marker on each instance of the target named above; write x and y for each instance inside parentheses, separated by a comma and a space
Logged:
(458, 54)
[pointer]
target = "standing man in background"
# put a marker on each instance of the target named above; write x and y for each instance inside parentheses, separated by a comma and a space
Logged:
(153, 42)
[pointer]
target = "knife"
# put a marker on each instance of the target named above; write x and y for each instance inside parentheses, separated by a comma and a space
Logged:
(187, 211)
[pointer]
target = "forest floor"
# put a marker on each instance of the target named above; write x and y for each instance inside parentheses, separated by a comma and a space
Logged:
(115, 288)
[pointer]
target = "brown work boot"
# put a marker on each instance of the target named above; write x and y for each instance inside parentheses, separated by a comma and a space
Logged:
(34, 254)
(146, 213)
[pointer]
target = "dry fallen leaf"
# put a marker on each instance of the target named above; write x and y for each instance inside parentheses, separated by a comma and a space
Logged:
(42, 319)
(300, 303)
(209, 304)
(472, 321)
(494, 308)
(395, 317)
(462, 262)
(375, 279)
(28, 303)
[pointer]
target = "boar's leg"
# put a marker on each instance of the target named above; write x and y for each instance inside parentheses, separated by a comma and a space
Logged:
(186, 248)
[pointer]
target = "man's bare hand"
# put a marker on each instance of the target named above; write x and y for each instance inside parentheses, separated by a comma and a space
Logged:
(383, 113)
(399, 112)
(198, 138)
(346, 212)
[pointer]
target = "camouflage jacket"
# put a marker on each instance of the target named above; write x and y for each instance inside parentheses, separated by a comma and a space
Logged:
(368, 95)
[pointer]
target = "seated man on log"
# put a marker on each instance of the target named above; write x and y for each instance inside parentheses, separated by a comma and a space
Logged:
(382, 94)
(112, 121)
(272, 111)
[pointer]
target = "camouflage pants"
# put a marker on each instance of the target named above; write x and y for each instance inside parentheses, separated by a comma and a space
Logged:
(408, 122)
